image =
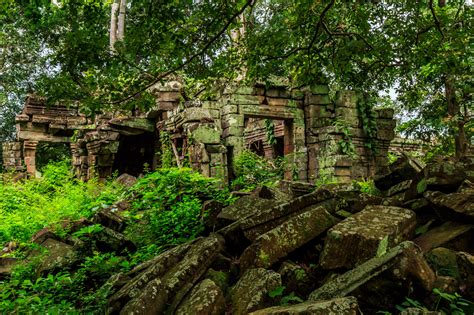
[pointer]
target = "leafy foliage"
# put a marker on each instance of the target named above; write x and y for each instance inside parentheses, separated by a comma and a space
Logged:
(28, 206)
(167, 206)
(252, 170)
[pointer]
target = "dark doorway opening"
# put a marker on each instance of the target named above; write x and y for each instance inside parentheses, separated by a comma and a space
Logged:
(135, 154)
(279, 147)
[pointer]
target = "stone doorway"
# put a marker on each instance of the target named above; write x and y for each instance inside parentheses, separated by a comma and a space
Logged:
(47, 152)
(135, 154)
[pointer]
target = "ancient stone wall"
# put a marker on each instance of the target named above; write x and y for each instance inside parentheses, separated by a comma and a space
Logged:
(319, 139)
(13, 156)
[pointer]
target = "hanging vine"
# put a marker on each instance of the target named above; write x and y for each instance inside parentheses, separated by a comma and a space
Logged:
(270, 131)
(365, 106)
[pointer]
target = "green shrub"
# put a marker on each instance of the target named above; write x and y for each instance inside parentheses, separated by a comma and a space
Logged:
(366, 186)
(252, 170)
(167, 206)
(28, 206)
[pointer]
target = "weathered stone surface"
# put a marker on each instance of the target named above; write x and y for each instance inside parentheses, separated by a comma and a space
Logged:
(206, 298)
(161, 284)
(440, 235)
(466, 187)
(443, 262)
(251, 204)
(270, 247)
(295, 278)
(265, 220)
(417, 311)
(207, 135)
(109, 218)
(445, 175)
(59, 255)
(404, 260)
(251, 291)
(465, 262)
(126, 180)
(108, 240)
(130, 124)
(366, 234)
(151, 300)
(6, 266)
(339, 306)
(457, 206)
(405, 168)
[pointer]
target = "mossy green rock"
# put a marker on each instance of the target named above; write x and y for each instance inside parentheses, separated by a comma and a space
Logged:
(443, 261)
(277, 243)
(366, 234)
(206, 298)
(251, 291)
(339, 306)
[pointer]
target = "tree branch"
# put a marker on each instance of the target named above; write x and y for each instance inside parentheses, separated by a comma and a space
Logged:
(182, 65)
(437, 23)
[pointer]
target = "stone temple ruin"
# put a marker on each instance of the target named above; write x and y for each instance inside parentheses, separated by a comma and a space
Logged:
(208, 135)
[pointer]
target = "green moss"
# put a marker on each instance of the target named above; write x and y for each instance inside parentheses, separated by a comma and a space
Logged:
(421, 186)
(383, 246)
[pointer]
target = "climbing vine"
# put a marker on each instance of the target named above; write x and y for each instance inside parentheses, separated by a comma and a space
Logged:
(270, 131)
(365, 106)
(345, 144)
(167, 156)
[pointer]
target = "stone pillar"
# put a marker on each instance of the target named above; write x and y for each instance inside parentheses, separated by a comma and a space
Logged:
(319, 114)
(29, 154)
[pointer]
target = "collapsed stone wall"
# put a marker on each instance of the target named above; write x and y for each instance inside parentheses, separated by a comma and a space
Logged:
(209, 134)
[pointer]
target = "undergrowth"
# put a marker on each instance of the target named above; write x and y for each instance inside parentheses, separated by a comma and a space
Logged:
(165, 211)
(29, 205)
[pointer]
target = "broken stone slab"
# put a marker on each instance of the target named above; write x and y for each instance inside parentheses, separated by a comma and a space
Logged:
(441, 235)
(341, 306)
(206, 298)
(263, 221)
(250, 293)
(443, 262)
(405, 261)
(277, 243)
(160, 285)
(126, 180)
(263, 199)
(445, 175)
(417, 311)
(465, 262)
(109, 217)
(133, 125)
(405, 168)
(296, 279)
(6, 266)
(466, 187)
(454, 206)
(59, 255)
(366, 234)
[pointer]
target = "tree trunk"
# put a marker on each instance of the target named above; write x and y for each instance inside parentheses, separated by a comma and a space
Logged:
(454, 111)
(121, 20)
(113, 24)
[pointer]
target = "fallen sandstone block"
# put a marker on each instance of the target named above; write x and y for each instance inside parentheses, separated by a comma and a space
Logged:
(406, 262)
(340, 306)
(277, 243)
(206, 298)
(366, 234)
(251, 291)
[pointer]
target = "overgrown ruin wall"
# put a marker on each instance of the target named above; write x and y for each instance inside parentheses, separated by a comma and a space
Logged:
(319, 139)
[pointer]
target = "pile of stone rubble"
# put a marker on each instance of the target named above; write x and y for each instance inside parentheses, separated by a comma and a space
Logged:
(302, 250)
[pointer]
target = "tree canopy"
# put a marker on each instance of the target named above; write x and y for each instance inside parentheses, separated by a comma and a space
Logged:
(422, 49)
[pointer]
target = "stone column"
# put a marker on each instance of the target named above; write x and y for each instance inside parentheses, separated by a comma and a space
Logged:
(29, 154)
